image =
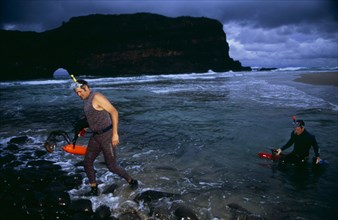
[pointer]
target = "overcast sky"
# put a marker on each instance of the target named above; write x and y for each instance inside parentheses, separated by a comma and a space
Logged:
(263, 33)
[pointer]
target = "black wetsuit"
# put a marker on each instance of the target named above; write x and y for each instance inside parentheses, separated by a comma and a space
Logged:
(101, 140)
(302, 144)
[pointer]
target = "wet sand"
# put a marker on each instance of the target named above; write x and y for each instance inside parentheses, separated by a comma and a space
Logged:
(325, 78)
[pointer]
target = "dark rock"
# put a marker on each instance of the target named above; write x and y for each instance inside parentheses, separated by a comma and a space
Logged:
(7, 159)
(40, 163)
(110, 189)
(115, 45)
(240, 213)
(129, 216)
(162, 213)
(81, 205)
(36, 202)
(151, 195)
(57, 186)
(27, 156)
(102, 212)
(19, 140)
(265, 69)
(40, 153)
(14, 164)
(72, 181)
(33, 192)
(12, 147)
(58, 198)
(79, 164)
(237, 208)
(82, 216)
(185, 213)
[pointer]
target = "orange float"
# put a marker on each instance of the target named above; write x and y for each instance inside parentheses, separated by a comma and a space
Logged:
(269, 156)
(78, 149)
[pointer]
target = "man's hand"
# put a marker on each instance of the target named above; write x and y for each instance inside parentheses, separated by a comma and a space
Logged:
(82, 133)
(278, 151)
(115, 140)
(318, 160)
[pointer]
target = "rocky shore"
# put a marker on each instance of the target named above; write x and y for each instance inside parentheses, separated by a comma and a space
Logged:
(39, 190)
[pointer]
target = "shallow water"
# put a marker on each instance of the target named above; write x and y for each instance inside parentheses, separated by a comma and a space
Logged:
(197, 135)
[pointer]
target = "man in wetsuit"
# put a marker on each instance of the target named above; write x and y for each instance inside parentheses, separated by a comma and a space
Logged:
(302, 141)
(102, 119)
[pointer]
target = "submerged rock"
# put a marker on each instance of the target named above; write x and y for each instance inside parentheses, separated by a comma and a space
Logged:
(185, 213)
(129, 216)
(240, 213)
(102, 212)
(81, 205)
(237, 208)
(110, 189)
(151, 195)
(19, 140)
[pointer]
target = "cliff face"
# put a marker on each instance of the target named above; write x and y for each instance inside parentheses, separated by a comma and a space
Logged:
(115, 45)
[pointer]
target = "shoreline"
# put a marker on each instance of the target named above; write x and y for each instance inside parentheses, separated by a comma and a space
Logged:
(319, 78)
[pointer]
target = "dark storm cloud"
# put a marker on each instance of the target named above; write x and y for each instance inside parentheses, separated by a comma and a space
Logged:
(256, 29)
(265, 14)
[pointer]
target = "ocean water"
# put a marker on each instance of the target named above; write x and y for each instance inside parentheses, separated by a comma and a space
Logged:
(196, 135)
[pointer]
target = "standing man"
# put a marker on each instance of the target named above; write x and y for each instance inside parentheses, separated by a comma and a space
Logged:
(102, 118)
(302, 141)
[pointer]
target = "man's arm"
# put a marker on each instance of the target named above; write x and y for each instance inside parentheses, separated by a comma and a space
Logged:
(100, 102)
(290, 142)
(316, 149)
(287, 145)
(315, 146)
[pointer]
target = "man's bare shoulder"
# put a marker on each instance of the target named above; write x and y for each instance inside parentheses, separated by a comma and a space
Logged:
(99, 95)
(100, 99)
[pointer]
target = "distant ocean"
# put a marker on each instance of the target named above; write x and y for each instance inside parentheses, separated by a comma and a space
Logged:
(192, 134)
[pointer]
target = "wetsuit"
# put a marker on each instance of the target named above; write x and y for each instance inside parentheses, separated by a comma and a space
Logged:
(101, 140)
(302, 144)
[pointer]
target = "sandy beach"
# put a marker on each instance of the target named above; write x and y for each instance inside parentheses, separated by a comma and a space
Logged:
(324, 78)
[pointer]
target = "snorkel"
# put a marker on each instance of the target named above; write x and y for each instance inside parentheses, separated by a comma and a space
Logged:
(294, 121)
(73, 78)
(75, 83)
(298, 124)
(78, 83)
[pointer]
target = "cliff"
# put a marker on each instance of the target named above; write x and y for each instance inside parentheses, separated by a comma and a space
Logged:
(116, 45)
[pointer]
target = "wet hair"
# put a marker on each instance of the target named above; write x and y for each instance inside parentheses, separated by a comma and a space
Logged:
(80, 83)
(299, 123)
